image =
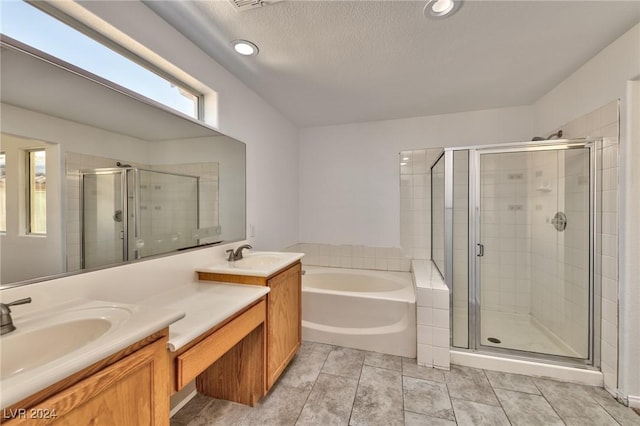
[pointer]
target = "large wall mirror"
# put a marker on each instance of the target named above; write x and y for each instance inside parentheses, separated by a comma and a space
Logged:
(93, 175)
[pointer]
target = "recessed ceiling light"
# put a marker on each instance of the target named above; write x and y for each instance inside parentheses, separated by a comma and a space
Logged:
(244, 47)
(441, 8)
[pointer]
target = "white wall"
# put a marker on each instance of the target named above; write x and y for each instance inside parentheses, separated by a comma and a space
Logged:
(26, 256)
(602, 79)
(272, 149)
(349, 174)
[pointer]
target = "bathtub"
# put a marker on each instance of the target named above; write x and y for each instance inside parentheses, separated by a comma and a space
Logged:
(361, 309)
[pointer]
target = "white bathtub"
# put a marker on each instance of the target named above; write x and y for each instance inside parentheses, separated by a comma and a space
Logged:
(359, 308)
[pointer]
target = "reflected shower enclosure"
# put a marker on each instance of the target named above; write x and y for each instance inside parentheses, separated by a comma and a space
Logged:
(518, 238)
(130, 213)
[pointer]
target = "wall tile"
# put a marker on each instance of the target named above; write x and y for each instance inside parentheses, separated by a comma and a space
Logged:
(441, 358)
(424, 315)
(425, 355)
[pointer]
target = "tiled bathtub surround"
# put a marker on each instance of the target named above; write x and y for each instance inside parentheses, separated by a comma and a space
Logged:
(432, 296)
(353, 256)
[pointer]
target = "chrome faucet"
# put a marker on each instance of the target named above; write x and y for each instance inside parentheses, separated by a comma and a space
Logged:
(237, 255)
(6, 322)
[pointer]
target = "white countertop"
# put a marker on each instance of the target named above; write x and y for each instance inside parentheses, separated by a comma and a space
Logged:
(206, 304)
(189, 308)
(140, 321)
(255, 264)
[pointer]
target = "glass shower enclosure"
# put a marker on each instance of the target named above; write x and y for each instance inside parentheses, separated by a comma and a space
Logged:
(517, 247)
(130, 213)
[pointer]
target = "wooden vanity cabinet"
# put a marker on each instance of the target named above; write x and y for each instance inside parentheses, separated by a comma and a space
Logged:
(284, 314)
(284, 320)
(134, 390)
(229, 360)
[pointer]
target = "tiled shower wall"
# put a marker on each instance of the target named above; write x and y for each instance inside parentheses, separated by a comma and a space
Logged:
(415, 201)
(560, 259)
(208, 203)
(506, 232)
(604, 122)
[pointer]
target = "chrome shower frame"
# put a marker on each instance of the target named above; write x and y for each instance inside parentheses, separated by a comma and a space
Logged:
(130, 187)
(474, 302)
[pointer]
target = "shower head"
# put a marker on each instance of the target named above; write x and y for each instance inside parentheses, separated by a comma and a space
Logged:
(119, 164)
(557, 134)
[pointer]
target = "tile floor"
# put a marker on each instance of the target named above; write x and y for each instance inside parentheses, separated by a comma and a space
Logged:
(331, 385)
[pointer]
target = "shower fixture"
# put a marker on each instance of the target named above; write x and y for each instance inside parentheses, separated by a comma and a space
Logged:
(557, 134)
(119, 164)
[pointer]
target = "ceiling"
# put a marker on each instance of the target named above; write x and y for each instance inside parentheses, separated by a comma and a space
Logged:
(332, 62)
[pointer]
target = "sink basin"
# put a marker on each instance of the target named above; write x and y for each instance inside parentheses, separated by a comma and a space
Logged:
(257, 264)
(258, 261)
(48, 337)
(37, 347)
(54, 341)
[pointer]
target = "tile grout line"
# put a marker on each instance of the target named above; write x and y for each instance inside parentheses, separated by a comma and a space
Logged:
(356, 394)
(404, 417)
(547, 400)
(446, 385)
(484, 373)
(313, 386)
(605, 408)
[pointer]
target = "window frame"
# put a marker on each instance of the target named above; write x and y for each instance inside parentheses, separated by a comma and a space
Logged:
(55, 13)
(29, 188)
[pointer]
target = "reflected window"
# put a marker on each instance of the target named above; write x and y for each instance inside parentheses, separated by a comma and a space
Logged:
(37, 207)
(29, 25)
(3, 193)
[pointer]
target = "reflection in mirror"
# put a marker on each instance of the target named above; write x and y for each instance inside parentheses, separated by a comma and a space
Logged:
(128, 212)
(124, 177)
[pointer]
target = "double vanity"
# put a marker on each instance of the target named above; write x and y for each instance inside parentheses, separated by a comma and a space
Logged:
(233, 331)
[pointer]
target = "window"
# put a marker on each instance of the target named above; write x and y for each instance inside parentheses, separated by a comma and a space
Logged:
(38, 29)
(37, 199)
(3, 193)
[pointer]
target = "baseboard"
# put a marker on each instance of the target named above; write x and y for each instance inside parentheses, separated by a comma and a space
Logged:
(634, 401)
(183, 402)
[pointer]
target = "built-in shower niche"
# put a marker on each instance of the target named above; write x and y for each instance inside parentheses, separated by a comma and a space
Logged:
(134, 211)
(516, 246)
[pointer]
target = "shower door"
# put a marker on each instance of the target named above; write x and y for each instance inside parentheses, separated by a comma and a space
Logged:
(104, 217)
(534, 287)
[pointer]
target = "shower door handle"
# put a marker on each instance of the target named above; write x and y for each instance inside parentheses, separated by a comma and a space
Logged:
(480, 251)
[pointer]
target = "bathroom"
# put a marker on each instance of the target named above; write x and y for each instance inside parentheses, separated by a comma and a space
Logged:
(335, 188)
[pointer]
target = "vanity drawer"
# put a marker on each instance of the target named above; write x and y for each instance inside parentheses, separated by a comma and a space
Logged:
(198, 358)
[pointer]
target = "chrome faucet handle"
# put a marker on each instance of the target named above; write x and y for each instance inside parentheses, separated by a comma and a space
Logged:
(6, 322)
